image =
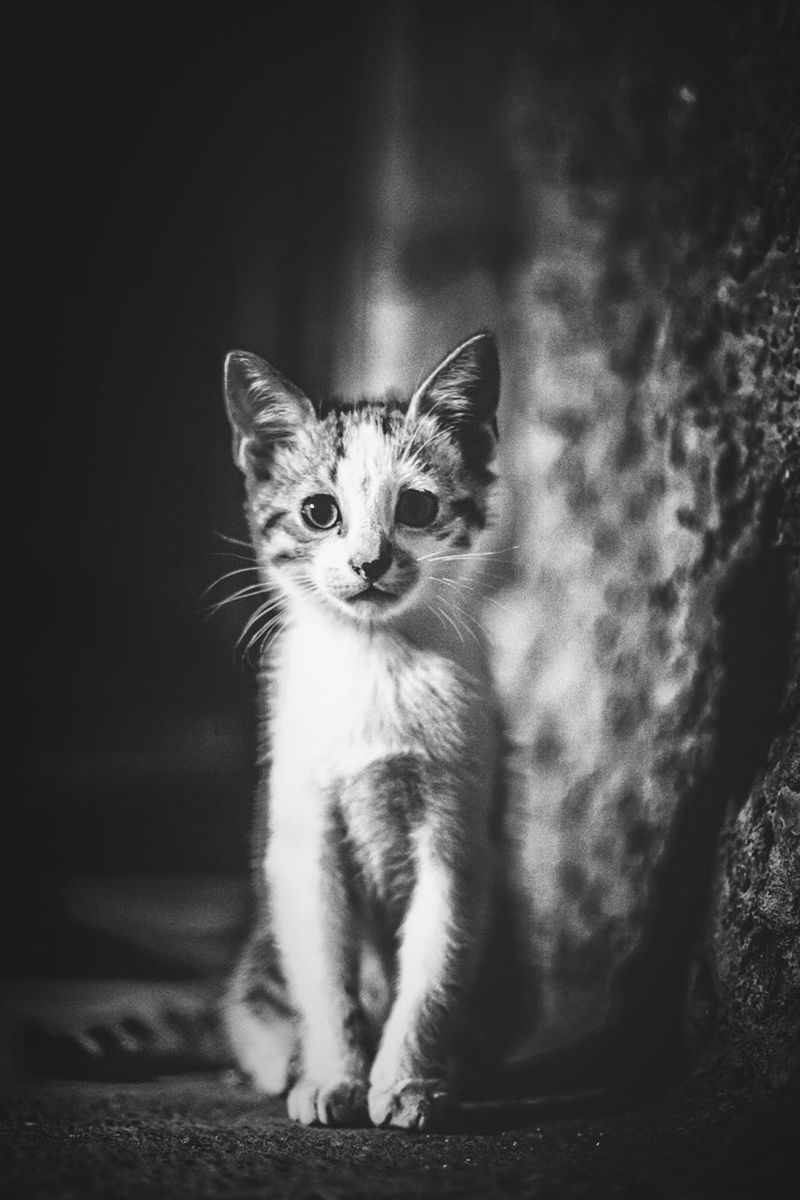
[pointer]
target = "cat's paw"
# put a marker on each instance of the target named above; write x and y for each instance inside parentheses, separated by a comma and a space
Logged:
(341, 1102)
(422, 1104)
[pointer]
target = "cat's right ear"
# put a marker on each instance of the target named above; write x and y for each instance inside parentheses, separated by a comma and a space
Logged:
(263, 407)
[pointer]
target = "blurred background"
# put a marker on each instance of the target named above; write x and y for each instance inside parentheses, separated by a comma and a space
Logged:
(193, 182)
(348, 189)
(189, 181)
(187, 187)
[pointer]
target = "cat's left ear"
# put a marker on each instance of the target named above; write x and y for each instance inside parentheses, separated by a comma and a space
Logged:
(464, 389)
(263, 408)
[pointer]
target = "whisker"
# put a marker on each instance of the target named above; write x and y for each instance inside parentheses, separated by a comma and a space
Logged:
(451, 622)
(487, 578)
(471, 587)
(232, 554)
(466, 621)
(253, 589)
(466, 554)
(275, 623)
(496, 604)
(261, 611)
(456, 583)
(234, 541)
(438, 615)
(258, 641)
(227, 575)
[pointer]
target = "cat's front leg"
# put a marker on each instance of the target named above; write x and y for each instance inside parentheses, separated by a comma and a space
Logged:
(314, 928)
(440, 942)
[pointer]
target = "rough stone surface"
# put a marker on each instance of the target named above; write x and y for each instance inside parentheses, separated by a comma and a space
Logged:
(756, 917)
(617, 194)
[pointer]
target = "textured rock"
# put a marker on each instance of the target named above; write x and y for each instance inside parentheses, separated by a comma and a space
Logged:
(755, 947)
(616, 191)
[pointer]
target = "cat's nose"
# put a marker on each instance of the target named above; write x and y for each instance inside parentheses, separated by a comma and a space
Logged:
(372, 570)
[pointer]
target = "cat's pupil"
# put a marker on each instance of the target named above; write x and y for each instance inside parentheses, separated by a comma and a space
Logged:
(320, 511)
(416, 508)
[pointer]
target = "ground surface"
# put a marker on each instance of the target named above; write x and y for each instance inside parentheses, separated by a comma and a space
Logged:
(199, 1136)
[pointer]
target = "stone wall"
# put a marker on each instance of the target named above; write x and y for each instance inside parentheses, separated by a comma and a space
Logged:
(614, 188)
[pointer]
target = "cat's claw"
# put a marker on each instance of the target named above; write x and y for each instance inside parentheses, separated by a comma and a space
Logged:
(420, 1104)
(343, 1102)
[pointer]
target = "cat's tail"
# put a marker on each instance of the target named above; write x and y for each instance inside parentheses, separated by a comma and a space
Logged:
(109, 1030)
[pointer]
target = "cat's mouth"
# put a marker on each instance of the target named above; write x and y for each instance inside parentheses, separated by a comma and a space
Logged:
(376, 594)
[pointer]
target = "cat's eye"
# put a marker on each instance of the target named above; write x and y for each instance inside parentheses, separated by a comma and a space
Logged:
(416, 508)
(320, 511)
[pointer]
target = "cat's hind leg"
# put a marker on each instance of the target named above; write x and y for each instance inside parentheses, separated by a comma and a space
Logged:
(258, 1020)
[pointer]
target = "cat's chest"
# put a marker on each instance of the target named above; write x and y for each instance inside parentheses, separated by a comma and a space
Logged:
(343, 699)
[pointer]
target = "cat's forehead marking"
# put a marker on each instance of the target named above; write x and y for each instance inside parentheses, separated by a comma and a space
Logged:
(368, 456)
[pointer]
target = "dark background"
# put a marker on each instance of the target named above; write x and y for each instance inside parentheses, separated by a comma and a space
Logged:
(184, 174)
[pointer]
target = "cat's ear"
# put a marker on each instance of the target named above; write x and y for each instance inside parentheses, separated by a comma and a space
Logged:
(465, 387)
(263, 407)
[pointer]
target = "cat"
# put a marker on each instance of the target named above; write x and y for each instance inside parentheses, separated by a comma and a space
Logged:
(379, 889)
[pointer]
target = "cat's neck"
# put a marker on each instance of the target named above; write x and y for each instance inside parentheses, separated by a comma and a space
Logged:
(428, 628)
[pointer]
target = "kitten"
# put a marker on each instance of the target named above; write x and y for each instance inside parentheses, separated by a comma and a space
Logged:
(378, 864)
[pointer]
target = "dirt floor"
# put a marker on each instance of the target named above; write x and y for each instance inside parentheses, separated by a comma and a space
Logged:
(196, 1136)
(191, 1134)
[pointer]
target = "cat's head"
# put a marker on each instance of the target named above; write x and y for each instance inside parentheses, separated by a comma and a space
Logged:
(360, 506)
